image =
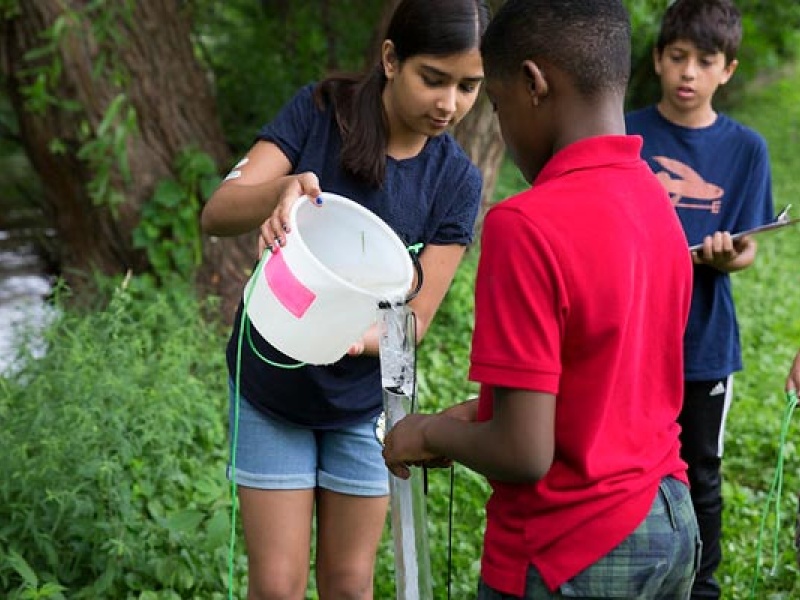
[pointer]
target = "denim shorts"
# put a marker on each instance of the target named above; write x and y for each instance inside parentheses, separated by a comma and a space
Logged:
(273, 455)
(657, 561)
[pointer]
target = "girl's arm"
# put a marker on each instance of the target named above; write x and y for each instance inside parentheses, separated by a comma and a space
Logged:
(259, 192)
(439, 265)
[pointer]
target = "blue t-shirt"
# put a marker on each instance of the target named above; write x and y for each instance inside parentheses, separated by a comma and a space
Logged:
(431, 198)
(719, 180)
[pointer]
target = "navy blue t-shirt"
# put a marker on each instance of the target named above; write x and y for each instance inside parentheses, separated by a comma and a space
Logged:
(719, 180)
(432, 198)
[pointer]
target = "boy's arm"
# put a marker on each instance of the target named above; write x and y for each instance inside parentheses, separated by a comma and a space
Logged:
(516, 445)
(725, 254)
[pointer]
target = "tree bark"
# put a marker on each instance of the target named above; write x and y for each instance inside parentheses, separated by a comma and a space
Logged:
(479, 135)
(175, 109)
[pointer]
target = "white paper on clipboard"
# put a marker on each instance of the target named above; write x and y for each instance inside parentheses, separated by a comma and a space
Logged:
(782, 220)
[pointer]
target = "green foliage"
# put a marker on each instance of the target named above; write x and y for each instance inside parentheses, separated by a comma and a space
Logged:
(509, 182)
(261, 52)
(103, 145)
(169, 229)
(9, 9)
(105, 149)
(645, 15)
(112, 483)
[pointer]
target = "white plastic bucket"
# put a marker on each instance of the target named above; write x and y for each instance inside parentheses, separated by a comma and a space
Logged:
(316, 296)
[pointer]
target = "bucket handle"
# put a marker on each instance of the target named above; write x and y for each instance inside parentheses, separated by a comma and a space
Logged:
(414, 252)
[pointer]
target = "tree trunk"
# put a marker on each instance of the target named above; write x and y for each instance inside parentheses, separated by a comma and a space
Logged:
(479, 135)
(174, 107)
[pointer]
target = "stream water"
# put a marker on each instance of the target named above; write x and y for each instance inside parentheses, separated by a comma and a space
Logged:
(24, 286)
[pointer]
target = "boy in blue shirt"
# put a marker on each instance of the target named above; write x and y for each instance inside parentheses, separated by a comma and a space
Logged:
(717, 174)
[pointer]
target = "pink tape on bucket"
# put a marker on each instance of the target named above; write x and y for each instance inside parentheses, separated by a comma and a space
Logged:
(288, 290)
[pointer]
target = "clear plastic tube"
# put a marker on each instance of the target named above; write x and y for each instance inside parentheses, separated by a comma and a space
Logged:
(407, 503)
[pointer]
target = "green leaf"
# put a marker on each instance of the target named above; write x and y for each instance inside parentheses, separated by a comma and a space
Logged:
(110, 116)
(217, 530)
(185, 521)
(169, 193)
(208, 185)
(23, 569)
(52, 590)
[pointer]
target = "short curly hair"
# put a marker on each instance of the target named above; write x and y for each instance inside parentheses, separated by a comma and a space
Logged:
(590, 41)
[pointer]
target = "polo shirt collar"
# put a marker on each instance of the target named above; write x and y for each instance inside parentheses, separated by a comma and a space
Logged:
(590, 153)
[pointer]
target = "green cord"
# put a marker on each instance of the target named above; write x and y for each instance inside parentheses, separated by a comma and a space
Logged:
(774, 495)
(234, 442)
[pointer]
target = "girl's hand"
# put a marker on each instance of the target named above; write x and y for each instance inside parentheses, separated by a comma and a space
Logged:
(357, 349)
(276, 227)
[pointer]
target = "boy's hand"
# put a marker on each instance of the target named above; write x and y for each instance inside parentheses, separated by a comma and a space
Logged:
(404, 446)
(725, 254)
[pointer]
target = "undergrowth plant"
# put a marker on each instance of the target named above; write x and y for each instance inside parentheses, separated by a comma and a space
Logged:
(112, 483)
(169, 229)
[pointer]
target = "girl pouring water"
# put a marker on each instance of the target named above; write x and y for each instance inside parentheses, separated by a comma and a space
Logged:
(306, 445)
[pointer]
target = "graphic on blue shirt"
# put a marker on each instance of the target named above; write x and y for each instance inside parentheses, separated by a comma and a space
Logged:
(686, 187)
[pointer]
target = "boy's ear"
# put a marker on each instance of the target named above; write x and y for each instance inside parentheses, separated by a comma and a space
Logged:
(657, 60)
(535, 81)
(728, 71)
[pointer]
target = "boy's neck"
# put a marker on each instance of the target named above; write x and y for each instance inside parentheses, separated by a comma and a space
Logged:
(692, 119)
(607, 118)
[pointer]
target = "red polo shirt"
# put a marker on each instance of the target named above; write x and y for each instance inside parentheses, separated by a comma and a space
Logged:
(583, 291)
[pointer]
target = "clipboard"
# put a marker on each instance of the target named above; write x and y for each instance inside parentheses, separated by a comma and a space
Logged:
(782, 220)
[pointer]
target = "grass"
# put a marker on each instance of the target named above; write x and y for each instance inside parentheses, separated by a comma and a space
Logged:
(768, 306)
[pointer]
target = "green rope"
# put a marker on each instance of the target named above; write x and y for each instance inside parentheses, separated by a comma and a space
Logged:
(774, 495)
(264, 358)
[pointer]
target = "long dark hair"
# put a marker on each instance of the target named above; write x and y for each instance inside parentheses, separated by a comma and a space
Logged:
(432, 27)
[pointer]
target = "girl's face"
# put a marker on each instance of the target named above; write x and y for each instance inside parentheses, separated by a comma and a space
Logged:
(426, 94)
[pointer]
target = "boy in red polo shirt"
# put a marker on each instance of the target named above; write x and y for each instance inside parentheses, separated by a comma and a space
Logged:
(582, 294)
